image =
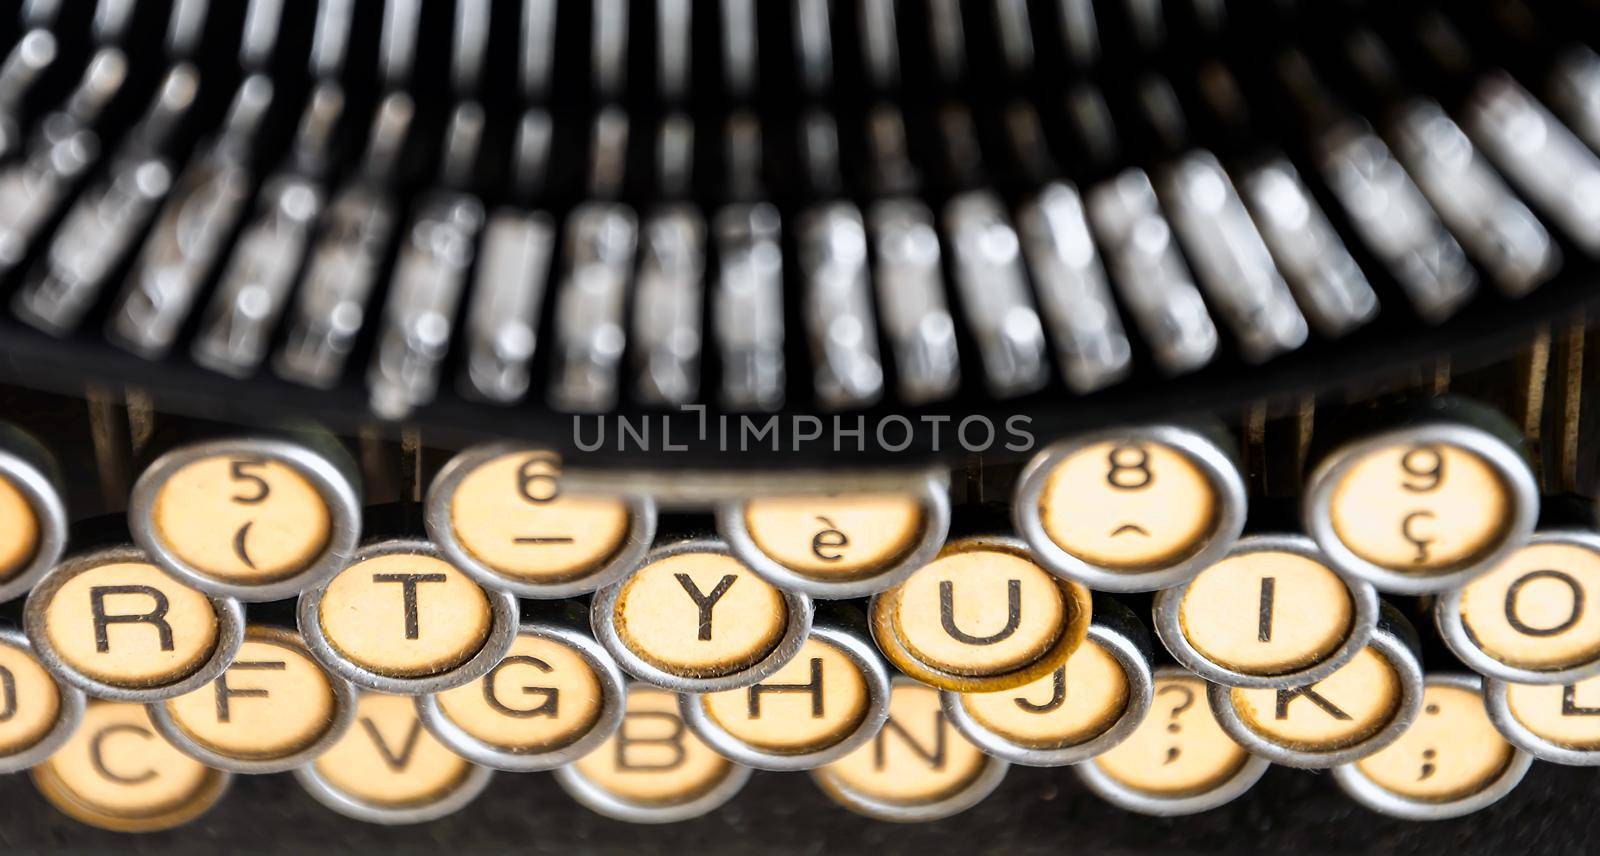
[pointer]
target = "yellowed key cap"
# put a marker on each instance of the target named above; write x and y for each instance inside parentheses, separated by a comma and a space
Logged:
(37, 712)
(1178, 761)
(695, 619)
(1131, 509)
(839, 545)
(1559, 723)
(118, 627)
(388, 769)
(401, 619)
(1423, 508)
(982, 617)
(273, 709)
(1450, 762)
(1078, 711)
(1532, 618)
(117, 773)
(828, 700)
(254, 518)
(653, 769)
(918, 767)
(1354, 712)
(502, 514)
(1271, 613)
(33, 518)
(555, 697)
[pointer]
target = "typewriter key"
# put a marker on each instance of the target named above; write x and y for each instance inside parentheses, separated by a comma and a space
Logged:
(114, 625)
(251, 518)
(388, 769)
(917, 768)
(118, 774)
(1076, 712)
(499, 513)
(1131, 509)
(1528, 620)
(37, 713)
(401, 619)
(555, 697)
(273, 709)
(831, 698)
(1178, 761)
(982, 617)
(838, 546)
(653, 769)
(1270, 614)
(695, 619)
(1421, 508)
(33, 519)
(1450, 762)
(1559, 723)
(1357, 710)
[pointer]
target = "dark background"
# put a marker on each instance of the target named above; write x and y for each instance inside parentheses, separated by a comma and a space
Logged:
(1034, 811)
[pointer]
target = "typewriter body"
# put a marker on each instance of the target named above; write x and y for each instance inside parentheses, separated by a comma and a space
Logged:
(857, 425)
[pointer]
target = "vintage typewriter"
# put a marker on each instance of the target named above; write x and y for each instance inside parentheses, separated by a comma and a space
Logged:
(893, 425)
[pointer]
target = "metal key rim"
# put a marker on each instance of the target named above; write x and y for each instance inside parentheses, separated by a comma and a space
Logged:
(1363, 790)
(613, 706)
(69, 713)
(875, 675)
(338, 496)
(1141, 694)
(1508, 465)
(1395, 651)
(1202, 452)
(502, 630)
(602, 620)
(932, 493)
(229, 614)
(344, 713)
(1168, 609)
(437, 520)
(1459, 639)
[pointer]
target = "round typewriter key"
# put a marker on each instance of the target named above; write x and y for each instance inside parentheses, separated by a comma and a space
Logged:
(1423, 508)
(555, 697)
(251, 518)
(696, 619)
(499, 513)
(33, 520)
(37, 713)
(1071, 715)
(117, 773)
(838, 545)
(1178, 761)
(273, 709)
(1362, 707)
(918, 767)
(1530, 619)
(118, 627)
(653, 769)
(388, 769)
(1131, 509)
(1450, 762)
(1271, 613)
(982, 617)
(1559, 723)
(828, 700)
(401, 619)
